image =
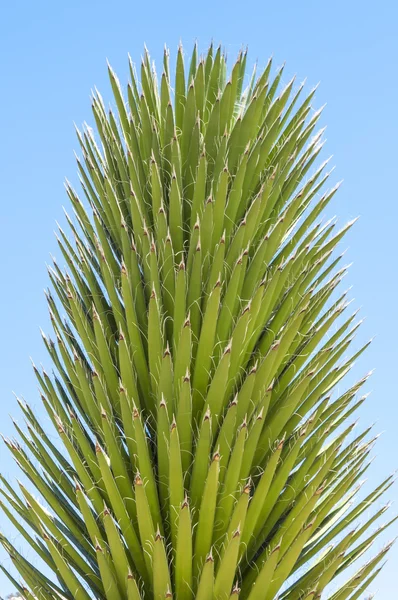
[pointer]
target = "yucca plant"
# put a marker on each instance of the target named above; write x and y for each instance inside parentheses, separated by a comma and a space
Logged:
(206, 448)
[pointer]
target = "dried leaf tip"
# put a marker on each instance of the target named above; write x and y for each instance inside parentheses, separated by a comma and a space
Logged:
(271, 386)
(228, 348)
(209, 557)
(236, 533)
(247, 488)
(207, 415)
(216, 456)
(281, 442)
(235, 590)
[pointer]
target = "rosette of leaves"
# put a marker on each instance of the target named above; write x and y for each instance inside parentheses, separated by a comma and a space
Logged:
(201, 340)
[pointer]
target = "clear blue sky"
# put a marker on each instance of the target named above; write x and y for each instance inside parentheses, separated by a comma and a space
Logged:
(53, 53)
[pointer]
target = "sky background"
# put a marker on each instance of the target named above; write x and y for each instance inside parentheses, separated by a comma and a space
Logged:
(53, 54)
